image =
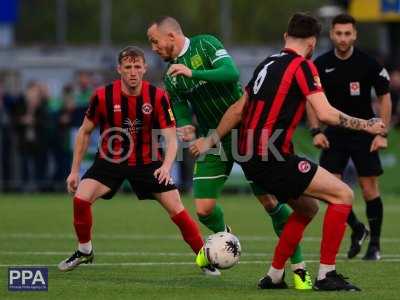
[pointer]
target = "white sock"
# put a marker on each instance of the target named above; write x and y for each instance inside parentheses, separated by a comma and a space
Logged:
(85, 248)
(300, 265)
(323, 269)
(275, 274)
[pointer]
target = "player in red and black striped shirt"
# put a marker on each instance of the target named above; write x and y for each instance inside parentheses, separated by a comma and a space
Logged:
(127, 111)
(270, 110)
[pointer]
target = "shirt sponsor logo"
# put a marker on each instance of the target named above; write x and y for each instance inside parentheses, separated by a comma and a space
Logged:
(304, 166)
(329, 70)
(196, 61)
(147, 108)
(117, 108)
(132, 127)
(355, 89)
(173, 80)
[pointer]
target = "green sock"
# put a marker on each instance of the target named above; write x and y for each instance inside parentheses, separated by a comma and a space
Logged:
(214, 221)
(279, 216)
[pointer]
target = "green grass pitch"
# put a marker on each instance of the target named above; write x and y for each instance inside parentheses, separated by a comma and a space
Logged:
(139, 253)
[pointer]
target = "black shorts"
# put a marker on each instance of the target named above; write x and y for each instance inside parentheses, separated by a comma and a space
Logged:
(141, 178)
(286, 179)
(356, 147)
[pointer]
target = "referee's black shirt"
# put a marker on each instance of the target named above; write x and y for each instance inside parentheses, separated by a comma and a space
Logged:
(348, 83)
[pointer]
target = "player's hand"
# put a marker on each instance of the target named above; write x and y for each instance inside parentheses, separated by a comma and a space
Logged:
(321, 141)
(72, 182)
(378, 143)
(179, 69)
(162, 175)
(200, 146)
(186, 133)
(375, 126)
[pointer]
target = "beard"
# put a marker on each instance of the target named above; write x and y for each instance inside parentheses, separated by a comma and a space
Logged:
(343, 48)
(168, 51)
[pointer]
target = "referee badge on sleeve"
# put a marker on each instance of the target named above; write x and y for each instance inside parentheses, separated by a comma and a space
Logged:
(355, 88)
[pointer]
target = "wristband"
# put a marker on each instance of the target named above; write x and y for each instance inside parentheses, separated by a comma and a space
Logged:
(315, 131)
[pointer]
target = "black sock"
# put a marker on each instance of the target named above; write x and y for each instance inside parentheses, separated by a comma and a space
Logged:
(353, 222)
(375, 217)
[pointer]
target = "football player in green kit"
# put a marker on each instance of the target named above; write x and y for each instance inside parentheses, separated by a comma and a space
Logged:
(203, 79)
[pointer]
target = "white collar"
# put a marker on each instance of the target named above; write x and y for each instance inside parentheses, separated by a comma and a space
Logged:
(185, 47)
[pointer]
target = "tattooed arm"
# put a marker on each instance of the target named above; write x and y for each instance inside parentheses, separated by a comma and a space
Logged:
(331, 116)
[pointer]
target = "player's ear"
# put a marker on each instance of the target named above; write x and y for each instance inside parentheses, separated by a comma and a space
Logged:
(119, 69)
(285, 35)
(331, 33)
(171, 36)
(145, 67)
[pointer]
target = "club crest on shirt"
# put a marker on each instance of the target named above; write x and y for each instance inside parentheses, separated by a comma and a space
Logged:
(304, 166)
(196, 61)
(355, 89)
(147, 108)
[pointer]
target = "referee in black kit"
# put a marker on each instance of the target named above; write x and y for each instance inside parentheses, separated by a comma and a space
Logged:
(347, 76)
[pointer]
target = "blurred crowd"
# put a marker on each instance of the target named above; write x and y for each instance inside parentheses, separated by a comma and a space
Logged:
(36, 133)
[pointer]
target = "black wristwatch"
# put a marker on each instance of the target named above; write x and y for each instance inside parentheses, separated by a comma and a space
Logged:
(315, 131)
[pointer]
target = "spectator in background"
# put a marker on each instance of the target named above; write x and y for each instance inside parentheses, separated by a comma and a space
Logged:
(83, 92)
(32, 121)
(62, 132)
(395, 94)
(4, 142)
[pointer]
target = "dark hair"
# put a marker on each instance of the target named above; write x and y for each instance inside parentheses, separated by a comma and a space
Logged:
(131, 51)
(303, 25)
(343, 19)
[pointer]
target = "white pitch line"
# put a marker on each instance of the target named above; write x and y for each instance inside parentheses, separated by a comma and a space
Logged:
(154, 237)
(154, 254)
(146, 264)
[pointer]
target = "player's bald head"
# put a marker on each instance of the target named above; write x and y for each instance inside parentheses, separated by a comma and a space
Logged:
(167, 24)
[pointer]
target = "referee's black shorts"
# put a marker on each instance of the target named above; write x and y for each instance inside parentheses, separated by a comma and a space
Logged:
(141, 178)
(344, 147)
(285, 180)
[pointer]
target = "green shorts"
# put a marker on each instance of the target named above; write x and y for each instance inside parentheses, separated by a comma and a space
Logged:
(210, 175)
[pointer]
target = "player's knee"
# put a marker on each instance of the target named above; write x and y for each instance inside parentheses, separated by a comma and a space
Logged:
(346, 195)
(369, 191)
(269, 202)
(204, 208)
(313, 209)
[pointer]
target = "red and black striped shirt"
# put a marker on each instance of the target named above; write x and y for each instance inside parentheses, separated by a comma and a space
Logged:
(127, 122)
(277, 96)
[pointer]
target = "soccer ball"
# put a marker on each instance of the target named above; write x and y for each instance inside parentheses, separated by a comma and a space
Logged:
(222, 250)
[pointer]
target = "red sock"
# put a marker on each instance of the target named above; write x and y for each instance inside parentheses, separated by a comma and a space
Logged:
(189, 229)
(289, 239)
(333, 231)
(82, 219)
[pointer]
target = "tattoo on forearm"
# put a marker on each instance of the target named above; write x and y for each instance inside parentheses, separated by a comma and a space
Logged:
(343, 120)
(352, 123)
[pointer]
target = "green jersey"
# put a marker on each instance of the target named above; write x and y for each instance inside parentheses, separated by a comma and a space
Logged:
(213, 87)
